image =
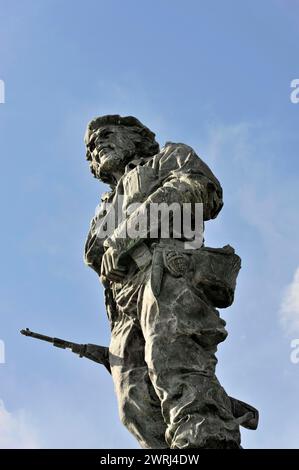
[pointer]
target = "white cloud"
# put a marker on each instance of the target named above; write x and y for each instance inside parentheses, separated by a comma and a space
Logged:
(289, 311)
(16, 431)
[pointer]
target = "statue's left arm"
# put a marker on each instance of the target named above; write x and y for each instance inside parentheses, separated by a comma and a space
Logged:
(185, 178)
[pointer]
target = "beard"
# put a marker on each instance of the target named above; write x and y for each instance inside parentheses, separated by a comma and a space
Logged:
(112, 162)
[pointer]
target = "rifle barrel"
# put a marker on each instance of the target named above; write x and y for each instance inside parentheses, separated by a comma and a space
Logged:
(99, 354)
(32, 334)
(59, 343)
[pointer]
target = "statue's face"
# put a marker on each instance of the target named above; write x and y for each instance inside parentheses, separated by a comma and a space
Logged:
(109, 149)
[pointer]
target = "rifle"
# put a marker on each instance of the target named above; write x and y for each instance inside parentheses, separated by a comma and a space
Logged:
(247, 414)
(99, 354)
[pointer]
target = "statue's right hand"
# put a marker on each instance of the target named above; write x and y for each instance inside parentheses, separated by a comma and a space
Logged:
(111, 269)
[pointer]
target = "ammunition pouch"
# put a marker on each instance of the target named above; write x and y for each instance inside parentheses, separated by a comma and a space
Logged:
(215, 274)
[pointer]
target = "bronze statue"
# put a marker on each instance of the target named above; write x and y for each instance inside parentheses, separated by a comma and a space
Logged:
(161, 292)
(162, 288)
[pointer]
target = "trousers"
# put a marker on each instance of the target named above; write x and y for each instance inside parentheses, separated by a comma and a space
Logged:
(162, 357)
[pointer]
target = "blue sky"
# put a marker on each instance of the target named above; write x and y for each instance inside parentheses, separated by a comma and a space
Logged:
(215, 75)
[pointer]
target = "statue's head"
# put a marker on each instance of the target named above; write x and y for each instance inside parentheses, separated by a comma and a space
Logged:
(112, 141)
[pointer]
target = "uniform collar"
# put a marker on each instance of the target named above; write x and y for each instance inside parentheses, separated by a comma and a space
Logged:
(136, 162)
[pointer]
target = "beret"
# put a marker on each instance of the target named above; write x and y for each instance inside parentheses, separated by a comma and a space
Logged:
(116, 119)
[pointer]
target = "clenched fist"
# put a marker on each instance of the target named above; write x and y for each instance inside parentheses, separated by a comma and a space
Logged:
(111, 269)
